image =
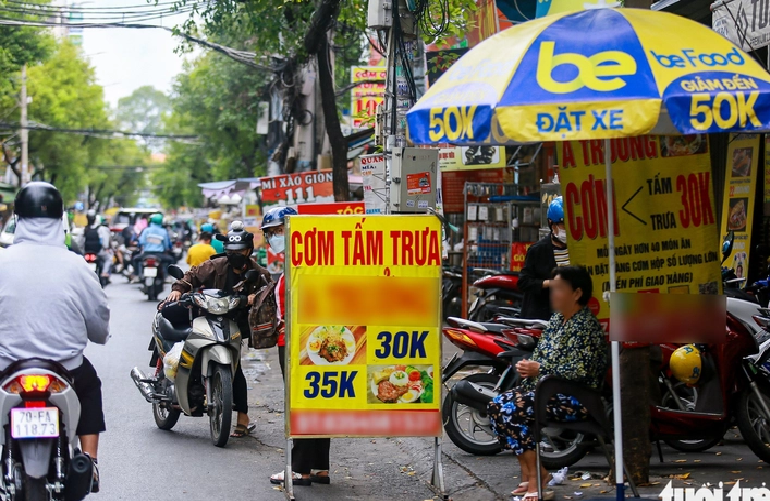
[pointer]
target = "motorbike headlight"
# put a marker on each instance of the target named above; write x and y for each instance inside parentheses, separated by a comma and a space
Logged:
(218, 305)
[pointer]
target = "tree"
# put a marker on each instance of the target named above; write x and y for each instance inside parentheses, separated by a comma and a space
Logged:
(144, 111)
(277, 25)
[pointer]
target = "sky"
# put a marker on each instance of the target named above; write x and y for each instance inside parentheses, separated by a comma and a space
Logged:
(126, 59)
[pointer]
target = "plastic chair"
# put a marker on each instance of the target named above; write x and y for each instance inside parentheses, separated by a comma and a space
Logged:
(596, 424)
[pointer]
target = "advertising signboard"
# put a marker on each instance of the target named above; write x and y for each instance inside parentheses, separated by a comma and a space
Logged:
(363, 333)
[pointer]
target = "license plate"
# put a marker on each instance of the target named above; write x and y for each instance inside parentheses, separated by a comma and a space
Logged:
(151, 272)
(92, 267)
(177, 251)
(35, 422)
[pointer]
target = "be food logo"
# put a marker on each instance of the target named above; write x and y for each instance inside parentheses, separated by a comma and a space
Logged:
(602, 72)
(704, 493)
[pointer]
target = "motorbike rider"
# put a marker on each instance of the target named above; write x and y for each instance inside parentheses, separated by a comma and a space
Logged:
(542, 257)
(92, 239)
(307, 454)
(53, 305)
(153, 240)
(224, 273)
(215, 242)
(105, 254)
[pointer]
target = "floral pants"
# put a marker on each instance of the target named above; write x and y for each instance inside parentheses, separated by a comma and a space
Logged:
(512, 415)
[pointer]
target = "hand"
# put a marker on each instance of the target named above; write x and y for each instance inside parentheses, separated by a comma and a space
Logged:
(173, 297)
(546, 284)
(252, 298)
(527, 368)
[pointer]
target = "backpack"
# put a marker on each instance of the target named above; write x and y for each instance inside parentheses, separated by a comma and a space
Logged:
(263, 319)
(92, 244)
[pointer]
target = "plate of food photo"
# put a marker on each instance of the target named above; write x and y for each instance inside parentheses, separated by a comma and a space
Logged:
(331, 345)
(401, 384)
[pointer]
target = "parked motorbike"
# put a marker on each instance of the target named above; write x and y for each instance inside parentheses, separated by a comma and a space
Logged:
(39, 412)
(498, 295)
(153, 276)
(452, 292)
(203, 383)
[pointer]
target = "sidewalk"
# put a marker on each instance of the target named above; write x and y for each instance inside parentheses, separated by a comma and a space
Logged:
(399, 469)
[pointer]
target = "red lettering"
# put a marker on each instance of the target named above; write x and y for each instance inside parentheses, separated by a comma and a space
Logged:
(684, 213)
(597, 152)
(650, 147)
(395, 235)
(575, 225)
(636, 147)
(359, 256)
(601, 203)
(374, 247)
(584, 144)
(346, 235)
(704, 187)
(692, 189)
(567, 155)
(407, 250)
(326, 248)
(296, 253)
(434, 254)
(310, 251)
(589, 208)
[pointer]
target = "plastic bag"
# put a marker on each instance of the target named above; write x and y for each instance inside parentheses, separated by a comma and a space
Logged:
(171, 360)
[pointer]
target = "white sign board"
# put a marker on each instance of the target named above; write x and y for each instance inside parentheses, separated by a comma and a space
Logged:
(746, 23)
(373, 173)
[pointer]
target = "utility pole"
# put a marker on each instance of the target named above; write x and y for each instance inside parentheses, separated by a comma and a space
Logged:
(24, 131)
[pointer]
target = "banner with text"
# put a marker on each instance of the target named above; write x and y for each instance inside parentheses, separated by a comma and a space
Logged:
(743, 22)
(739, 204)
(291, 189)
(368, 93)
(364, 331)
(666, 238)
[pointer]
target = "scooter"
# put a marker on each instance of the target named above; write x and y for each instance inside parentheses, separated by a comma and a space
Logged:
(203, 383)
(39, 413)
(95, 264)
(153, 276)
(498, 295)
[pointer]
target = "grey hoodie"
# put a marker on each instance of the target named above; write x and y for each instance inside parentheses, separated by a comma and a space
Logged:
(51, 304)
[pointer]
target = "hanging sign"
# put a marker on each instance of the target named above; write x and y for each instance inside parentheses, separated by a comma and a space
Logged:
(746, 23)
(739, 198)
(375, 191)
(666, 237)
(364, 333)
(291, 189)
(367, 96)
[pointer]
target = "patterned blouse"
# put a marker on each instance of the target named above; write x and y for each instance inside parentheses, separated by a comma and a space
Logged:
(575, 350)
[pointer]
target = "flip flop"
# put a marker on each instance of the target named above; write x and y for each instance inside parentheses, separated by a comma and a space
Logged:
(243, 431)
(297, 479)
(520, 489)
(532, 496)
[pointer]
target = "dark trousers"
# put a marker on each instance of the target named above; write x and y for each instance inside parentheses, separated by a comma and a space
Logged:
(307, 453)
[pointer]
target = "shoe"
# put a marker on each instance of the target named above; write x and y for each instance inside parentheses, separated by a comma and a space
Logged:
(297, 479)
(320, 479)
(95, 483)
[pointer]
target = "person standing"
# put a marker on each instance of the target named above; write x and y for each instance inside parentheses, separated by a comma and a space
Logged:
(202, 251)
(542, 257)
(308, 455)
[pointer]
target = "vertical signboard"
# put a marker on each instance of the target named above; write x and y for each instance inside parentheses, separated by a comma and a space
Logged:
(364, 335)
(739, 200)
(666, 237)
(373, 174)
(366, 96)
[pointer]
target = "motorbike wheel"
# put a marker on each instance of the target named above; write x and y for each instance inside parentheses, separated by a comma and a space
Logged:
(221, 413)
(152, 292)
(165, 418)
(693, 445)
(753, 424)
(35, 489)
(463, 423)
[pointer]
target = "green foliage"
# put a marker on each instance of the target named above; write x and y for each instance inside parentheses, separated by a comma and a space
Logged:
(20, 45)
(144, 111)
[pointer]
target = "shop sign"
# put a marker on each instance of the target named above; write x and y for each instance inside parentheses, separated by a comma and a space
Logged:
(366, 96)
(291, 189)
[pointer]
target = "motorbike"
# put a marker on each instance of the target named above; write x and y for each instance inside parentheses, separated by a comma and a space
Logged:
(95, 264)
(177, 250)
(39, 412)
(498, 295)
(153, 276)
(203, 383)
(452, 291)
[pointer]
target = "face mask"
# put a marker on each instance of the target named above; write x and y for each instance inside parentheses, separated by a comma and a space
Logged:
(237, 261)
(277, 243)
(561, 235)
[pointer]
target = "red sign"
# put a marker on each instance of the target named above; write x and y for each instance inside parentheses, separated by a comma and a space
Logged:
(418, 183)
(453, 185)
(518, 255)
(297, 188)
(342, 208)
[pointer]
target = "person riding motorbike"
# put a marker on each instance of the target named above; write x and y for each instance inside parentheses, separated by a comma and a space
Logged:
(153, 240)
(215, 242)
(307, 454)
(53, 305)
(542, 257)
(224, 273)
(105, 253)
(92, 239)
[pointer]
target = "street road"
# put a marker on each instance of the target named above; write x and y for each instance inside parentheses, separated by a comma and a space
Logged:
(140, 462)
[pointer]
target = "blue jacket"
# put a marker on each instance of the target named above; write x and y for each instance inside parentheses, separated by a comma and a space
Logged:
(155, 238)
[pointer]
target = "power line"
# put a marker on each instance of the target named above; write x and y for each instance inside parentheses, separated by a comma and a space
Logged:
(97, 132)
(98, 9)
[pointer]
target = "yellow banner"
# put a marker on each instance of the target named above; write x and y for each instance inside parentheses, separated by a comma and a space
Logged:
(739, 203)
(549, 7)
(665, 226)
(364, 327)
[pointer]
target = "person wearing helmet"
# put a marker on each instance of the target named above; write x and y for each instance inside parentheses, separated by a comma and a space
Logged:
(153, 240)
(226, 274)
(307, 454)
(542, 257)
(219, 247)
(53, 304)
(105, 253)
(92, 239)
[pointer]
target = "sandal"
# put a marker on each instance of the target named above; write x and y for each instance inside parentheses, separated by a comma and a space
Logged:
(243, 430)
(320, 479)
(520, 489)
(297, 479)
(532, 496)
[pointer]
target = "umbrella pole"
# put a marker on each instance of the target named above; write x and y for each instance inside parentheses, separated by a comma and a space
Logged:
(616, 412)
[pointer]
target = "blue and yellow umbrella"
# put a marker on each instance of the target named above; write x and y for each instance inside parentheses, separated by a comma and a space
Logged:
(595, 74)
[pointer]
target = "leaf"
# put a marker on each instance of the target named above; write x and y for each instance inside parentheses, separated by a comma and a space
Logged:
(680, 476)
(680, 461)
(603, 492)
(736, 471)
(718, 453)
(584, 486)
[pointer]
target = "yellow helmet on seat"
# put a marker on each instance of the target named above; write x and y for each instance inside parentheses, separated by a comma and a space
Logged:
(686, 364)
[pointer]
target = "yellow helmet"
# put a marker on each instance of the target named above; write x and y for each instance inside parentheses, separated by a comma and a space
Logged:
(686, 364)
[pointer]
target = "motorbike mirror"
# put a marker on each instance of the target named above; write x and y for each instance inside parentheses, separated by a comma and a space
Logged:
(252, 276)
(727, 245)
(175, 271)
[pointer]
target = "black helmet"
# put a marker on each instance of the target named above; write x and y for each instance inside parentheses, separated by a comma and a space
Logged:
(39, 200)
(237, 238)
